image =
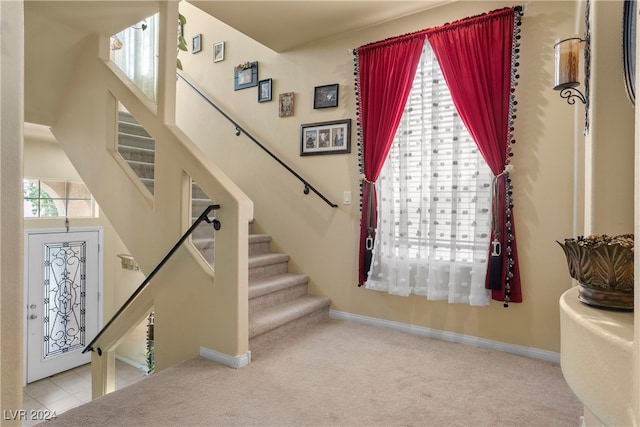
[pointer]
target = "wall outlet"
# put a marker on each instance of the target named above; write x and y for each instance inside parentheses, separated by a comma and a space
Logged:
(346, 199)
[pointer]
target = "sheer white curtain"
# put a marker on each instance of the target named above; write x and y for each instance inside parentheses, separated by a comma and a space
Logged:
(434, 202)
(135, 51)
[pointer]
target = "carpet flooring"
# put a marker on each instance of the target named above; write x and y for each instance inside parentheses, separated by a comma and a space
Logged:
(341, 373)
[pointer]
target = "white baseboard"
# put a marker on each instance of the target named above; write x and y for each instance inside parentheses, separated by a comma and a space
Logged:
(230, 361)
(534, 353)
(142, 366)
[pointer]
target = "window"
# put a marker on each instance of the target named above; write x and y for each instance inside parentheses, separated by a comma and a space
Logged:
(55, 199)
(135, 51)
(434, 200)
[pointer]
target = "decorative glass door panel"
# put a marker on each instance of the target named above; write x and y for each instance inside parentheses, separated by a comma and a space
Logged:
(64, 303)
(63, 277)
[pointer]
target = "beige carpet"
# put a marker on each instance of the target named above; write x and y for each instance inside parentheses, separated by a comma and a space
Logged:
(341, 373)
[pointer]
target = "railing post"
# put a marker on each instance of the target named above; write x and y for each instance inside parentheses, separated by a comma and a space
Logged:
(103, 373)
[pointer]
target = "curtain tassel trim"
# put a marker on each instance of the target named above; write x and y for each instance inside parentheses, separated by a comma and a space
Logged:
(506, 174)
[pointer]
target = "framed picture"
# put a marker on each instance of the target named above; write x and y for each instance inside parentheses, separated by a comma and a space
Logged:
(285, 107)
(325, 96)
(325, 138)
(245, 75)
(264, 90)
(197, 43)
(218, 51)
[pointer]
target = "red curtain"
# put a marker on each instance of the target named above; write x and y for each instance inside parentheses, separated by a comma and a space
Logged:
(475, 56)
(383, 81)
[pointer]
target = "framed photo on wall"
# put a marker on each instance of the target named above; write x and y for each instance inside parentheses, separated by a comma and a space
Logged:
(325, 138)
(218, 51)
(245, 75)
(285, 104)
(196, 45)
(325, 96)
(264, 90)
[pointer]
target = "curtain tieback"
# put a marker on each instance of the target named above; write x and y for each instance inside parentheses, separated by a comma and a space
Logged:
(363, 178)
(370, 227)
(496, 246)
(496, 205)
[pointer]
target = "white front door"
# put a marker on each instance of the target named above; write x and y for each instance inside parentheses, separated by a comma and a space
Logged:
(63, 274)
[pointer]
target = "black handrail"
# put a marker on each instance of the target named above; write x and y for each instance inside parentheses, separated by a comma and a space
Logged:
(239, 130)
(202, 217)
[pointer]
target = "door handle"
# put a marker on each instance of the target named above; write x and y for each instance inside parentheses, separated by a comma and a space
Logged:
(33, 316)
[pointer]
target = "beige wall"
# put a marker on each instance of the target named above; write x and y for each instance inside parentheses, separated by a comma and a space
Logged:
(11, 118)
(323, 241)
(45, 159)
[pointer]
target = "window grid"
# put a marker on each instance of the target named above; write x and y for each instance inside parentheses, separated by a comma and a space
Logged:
(57, 199)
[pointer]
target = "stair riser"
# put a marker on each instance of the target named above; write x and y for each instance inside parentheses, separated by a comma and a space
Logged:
(197, 193)
(268, 270)
(198, 206)
(204, 231)
(127, 140)
(259, 248)
(272, 338)
(132, 129)
(277, 297)
(143, 170)
(207, 253)
(137, 155)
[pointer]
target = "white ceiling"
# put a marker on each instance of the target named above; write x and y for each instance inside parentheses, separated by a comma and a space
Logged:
(55, 29)
(284, 25)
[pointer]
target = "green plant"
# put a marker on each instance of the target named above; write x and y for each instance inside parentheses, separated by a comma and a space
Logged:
(182, 43)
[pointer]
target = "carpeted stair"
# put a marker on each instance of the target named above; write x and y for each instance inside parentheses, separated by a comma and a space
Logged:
(279, 303)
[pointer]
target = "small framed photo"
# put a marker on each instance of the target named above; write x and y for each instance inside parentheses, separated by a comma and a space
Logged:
(197, 43)
(218, 51)
(325, 138)
(245, 75)
(285, 107)
(264, 90)
(325, 96)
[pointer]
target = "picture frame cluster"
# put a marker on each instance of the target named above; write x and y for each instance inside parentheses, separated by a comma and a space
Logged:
(328, 137)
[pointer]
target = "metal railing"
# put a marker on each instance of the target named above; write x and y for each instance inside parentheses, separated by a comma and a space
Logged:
(239, 130)
(203, 217)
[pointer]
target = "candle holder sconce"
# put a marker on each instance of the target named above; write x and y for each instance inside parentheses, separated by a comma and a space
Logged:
(567, 62)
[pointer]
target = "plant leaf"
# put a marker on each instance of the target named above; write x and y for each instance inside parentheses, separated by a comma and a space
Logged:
(179, 64)
(182, 43)
(181, 19)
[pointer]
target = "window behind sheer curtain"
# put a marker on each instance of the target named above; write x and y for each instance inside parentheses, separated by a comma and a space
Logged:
(434, 196)
(135, 51)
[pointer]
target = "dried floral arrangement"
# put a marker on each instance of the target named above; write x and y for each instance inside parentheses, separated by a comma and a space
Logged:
(244, 66)
(624, 240)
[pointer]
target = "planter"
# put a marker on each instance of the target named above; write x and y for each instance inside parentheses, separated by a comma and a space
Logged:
(603, 266)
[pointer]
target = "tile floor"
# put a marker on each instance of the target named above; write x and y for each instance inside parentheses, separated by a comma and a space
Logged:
(69, 389)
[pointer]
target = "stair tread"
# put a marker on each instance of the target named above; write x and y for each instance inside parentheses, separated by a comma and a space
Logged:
(135, 136)
(273, 317)
(133, 148)
(267, 259)
(265, 285)
(258, 238)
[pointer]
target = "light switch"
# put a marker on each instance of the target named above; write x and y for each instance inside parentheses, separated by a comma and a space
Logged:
(347, 198)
